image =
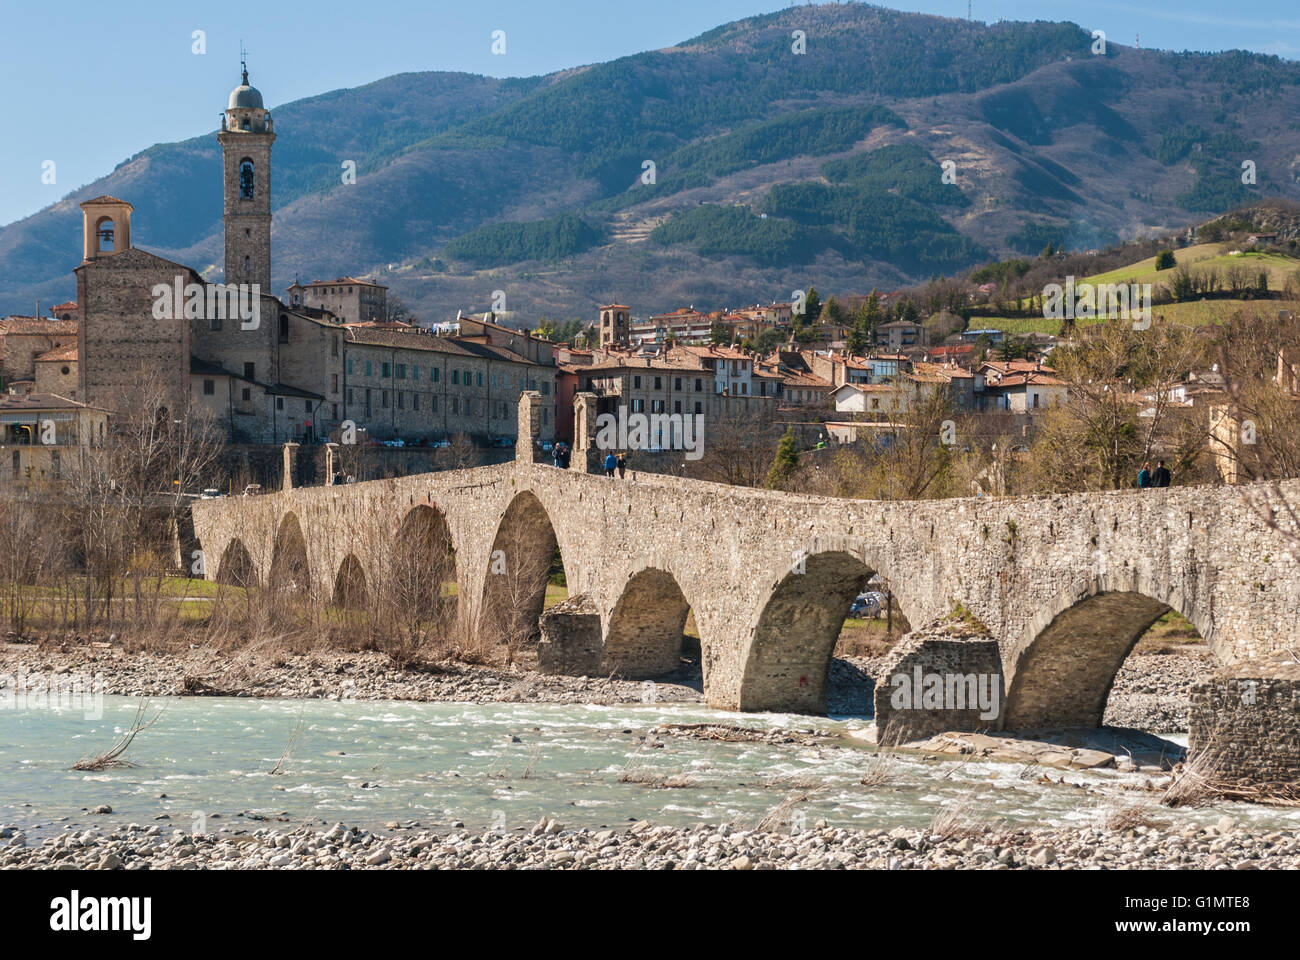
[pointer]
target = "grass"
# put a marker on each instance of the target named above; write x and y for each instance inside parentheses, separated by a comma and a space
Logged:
(1192, 313)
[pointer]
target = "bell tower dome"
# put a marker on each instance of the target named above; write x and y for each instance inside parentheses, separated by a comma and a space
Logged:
(246, 137)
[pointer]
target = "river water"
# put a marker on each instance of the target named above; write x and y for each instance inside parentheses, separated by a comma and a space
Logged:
(206, 764)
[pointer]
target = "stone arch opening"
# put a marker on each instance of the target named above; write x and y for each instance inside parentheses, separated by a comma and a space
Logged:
(647, 627)
(423, 566)
(1064, 675)
(524, 561)
(290, 570)
(236, 567)
(350, 584)
(787, 661)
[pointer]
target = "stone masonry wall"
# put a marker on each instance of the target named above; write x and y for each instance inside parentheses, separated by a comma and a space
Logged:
(934, 682)
(1250, 726)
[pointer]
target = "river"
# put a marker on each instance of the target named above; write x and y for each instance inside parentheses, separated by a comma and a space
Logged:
(205, 766)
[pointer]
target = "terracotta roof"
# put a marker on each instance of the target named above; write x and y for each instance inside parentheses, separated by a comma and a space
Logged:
(106, 199)
(66, 352)
(70, 305)
(614, 306)
(411, 340)
(38, 326)
(41, 401)
(338, 280)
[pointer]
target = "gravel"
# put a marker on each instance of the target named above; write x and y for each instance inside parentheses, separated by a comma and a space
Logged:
(548, 845)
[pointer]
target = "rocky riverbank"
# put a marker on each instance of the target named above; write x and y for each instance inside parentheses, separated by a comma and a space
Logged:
(1149, 693)
(548, 845)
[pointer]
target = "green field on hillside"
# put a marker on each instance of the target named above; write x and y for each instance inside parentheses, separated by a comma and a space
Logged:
(1200, 257)
(1194, 313)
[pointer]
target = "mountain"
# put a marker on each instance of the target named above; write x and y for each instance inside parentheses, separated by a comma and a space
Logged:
(726, 169)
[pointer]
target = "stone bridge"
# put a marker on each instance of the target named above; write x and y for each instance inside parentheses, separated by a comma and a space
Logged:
(1066, 584)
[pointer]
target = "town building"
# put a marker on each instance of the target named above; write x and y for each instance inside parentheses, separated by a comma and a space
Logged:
(42, 435)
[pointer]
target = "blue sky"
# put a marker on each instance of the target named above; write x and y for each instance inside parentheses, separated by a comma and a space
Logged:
(72, 99)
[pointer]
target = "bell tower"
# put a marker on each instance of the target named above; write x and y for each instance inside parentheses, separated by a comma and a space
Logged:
(246, 137)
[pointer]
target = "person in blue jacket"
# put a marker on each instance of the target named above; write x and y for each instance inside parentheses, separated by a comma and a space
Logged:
(611, 462)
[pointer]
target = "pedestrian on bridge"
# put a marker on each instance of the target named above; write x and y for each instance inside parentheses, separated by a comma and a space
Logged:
(1161, 477)
(1144, 476)
(611, 462)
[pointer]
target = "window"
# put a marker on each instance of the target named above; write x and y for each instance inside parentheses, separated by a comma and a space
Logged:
(435, 374)
(677, 383)
(455, 376)
(636, 383)
(455, 404)
(349, 366)
(433, 404)
(335, 410)
(246, 395)
(415, 371)
(334, 345)
(352, 395)
(279, 403)
(384, 370)
(246, 179)
(659, 383)
(284, 328)
(546, 388)
(248, 371)
(209, 387)
(699, 407)
(656, 406)
(306, 406)
(334, 383)
(677, 406)
(479, 378)
(367, 368)
(638, 406)
(699, 385)
(401, 399)
(415, 401)
(401, 371)
(214, 323)
(383, 399)
(367, 401)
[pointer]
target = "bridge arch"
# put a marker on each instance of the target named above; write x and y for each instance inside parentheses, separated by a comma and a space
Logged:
(421, 564)
(1061, 673)
(236, 567)
(519, 564)
(643, 638)
(290, 568)
(350, 589)
(787, 659)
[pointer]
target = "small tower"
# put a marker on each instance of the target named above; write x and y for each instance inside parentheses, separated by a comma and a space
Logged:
(105, 227)
(246, 139)
(614, 325)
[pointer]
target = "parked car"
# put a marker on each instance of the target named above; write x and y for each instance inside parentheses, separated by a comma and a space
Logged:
(439, 444)
(503, 442)
(865, 605)
(395, 442)
(211, 493)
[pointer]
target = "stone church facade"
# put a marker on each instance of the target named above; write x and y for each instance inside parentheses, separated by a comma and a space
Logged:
(268, 370)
